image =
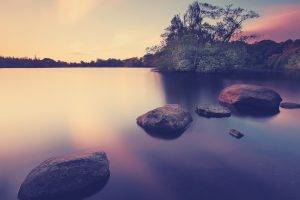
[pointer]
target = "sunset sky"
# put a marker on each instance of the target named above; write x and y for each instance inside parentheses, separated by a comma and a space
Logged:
(74, 30)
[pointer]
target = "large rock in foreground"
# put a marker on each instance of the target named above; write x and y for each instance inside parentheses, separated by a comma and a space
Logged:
(73, 176)
(168, 120)
(251, 98)
(213, 111)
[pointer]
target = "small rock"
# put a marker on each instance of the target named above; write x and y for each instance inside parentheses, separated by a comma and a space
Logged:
(290, 105)
(250, 99)
(213, 111)
(236, 134)
(166, 120)
(73, 176)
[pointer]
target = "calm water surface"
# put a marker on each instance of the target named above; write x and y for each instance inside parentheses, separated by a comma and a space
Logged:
(49, 112)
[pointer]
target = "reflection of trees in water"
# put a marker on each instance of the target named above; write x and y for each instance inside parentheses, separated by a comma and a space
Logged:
(189, 90)
(284, 87)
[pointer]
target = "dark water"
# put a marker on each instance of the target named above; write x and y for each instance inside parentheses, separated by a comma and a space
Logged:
(49, 112)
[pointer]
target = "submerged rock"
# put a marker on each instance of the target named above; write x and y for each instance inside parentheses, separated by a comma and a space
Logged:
(236, 134)
(73, 176)
(167, 121)
(250, 98)
(213, 111)
(290, 105)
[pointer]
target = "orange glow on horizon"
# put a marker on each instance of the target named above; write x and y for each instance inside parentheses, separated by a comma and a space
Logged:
(75, 30)
(278, 23)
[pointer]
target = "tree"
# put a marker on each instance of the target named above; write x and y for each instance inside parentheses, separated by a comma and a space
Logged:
(176, 29)
(231, 22)
(204, 29)
(193, 19)
(210, 23)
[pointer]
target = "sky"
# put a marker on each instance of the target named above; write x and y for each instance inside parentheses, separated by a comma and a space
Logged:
(74, 30)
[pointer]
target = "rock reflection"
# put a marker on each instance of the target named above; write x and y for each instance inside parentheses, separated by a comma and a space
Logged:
(250, 112)
(165, 135)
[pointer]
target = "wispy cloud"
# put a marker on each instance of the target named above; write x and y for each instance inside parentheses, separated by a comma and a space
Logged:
(279, 22)
(72, 11)
(78, 53)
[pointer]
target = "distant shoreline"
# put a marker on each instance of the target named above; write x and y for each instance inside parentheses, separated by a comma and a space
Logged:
(13, 62)
(66, 67)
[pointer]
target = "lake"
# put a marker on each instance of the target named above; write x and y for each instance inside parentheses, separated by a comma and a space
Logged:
(51, 112)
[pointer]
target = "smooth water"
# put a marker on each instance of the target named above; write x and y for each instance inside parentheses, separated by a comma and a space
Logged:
(50, 112)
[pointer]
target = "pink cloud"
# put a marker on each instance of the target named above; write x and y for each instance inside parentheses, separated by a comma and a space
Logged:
(280, 22)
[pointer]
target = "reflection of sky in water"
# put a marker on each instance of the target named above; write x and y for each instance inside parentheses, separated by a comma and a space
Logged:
(56, 111)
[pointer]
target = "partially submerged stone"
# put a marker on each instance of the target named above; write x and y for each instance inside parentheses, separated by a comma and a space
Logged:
(236, 134)
(250, 98)
(290, 105)
(166, 121)
(213, 111)
(73, 176)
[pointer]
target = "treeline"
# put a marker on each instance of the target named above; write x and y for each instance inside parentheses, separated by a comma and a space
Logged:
(273, 56)
(11, 62)
(209, 39)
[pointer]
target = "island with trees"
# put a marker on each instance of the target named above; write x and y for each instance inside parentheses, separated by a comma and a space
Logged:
(210, 39)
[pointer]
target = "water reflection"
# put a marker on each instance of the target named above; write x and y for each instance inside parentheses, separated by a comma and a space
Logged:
(49, 112)
(164, 134)
(192, 89)
(250, 112)
(189, 90)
